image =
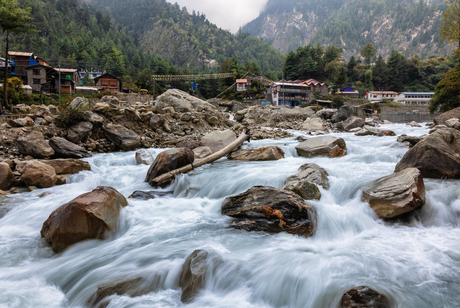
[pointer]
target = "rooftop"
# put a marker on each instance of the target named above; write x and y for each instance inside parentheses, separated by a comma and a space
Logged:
(66, 70)
(418, 93)
(17, 53)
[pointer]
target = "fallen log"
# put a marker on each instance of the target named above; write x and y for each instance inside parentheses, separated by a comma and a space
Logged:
(213, 157)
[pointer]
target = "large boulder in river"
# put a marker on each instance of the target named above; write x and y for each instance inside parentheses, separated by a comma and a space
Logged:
(68, 165)
(436, 156)
(131, 287)
(144, 157)
(35, 146)
(322, 146)
(169, 160)
(346, 112)
(66, 149)
(304, 182)
(218, 140)
(89, 216)
(413, 140)
(270, 152)
(367, 131)
(351, 123)
(395, 194)
(363, 297)
(122, 137)
(193, 276)
(442, 118)
(79, 131)
(181, 102)
(6, 176)
(271, 210)
(38, 174)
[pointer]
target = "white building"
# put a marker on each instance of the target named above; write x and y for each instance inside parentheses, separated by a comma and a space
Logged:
(415, 98)
(378, 96)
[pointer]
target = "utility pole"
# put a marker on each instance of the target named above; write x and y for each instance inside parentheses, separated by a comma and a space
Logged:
(59, 84)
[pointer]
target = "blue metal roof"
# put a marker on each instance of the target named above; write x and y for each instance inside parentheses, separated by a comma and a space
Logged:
(418, 93)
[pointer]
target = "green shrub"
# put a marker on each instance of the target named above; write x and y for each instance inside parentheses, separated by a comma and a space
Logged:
(69, 116)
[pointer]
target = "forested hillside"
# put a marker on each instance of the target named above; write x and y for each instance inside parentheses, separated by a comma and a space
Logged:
(186, 38)
(79, 37)
(409, 26)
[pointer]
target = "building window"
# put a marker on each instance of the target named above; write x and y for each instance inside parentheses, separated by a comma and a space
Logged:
(36, 72)
(36, 81)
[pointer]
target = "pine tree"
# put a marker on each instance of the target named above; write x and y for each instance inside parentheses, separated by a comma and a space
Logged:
(13, 21)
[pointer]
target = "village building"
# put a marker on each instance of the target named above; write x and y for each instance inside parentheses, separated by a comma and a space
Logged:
(378, 96)
(415, 98)
(19, 61)
(316, 86)
(108, 82)
(243, 84)
(289, 94)
(44, 79)
(348, 92)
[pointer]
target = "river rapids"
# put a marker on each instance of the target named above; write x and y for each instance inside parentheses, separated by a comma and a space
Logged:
(415, 263)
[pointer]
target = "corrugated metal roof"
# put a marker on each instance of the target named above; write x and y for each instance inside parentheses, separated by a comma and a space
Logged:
(66, 70)
(17, 53)
(241, 80)
(383, 92)
(417, 93)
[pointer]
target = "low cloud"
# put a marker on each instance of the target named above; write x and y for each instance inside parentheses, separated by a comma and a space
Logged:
(229, 15)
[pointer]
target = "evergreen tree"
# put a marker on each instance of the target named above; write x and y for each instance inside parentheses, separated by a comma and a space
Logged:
(380, 74)
(397, 73)
(13, 21)
(368, 53)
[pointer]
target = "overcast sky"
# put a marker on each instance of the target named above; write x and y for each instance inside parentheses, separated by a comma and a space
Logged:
(227, 14)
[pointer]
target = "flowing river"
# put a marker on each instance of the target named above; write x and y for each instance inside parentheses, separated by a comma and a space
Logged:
(415, 263)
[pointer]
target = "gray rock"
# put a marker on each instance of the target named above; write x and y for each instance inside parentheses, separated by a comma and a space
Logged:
(202, 152)
(21, 122)
(96, 119)
(122, 137)
(66, 149)
(218, 140)
(186, 117)
(395, 194)
(367, 131)
(325, 114)
(322, 146)
(40, 121)
(79, 131)
(181, 102)
(352, 122)
(436, 156)
(34, 146)
(346, 112)
(112, 101)
(156, 121)
(314, 124)
(80, 103)
(304, 182)
(413, 140)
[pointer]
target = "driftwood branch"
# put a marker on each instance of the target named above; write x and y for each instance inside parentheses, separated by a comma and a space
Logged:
(213, 157)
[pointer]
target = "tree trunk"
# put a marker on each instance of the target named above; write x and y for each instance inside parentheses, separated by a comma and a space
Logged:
(219, 154)
(5, 82)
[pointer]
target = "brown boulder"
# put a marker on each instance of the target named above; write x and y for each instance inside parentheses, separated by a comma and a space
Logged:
(436, 156)
(6, 176)
(89, 216)
(386, 133)
(167, 161)
(192, 278)
(258, 154)
(395, 194)
(202, 152)
(38, 174)
(21, 122)
(188, 144)
(322, 146)
(68, 165)
(34, 146)
(364, 297)
(272, 210)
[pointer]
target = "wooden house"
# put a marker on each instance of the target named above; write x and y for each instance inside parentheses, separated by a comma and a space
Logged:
(21, 60)
(108, 82)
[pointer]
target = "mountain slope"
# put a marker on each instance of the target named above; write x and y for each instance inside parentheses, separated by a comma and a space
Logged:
(408, 26)
(186, 38)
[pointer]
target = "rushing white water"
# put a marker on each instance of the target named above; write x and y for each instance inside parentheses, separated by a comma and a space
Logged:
(415, 263)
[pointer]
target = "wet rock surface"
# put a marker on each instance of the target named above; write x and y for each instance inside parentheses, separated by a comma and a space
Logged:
(193, 276)
(89, 216)
(144, 157)
(146, 195)
(305, 182)
(322, 146)
(436, 156)
(363, 297)
(167, 161)
(38, 174)
(258, 154)
(395, 194)
(271, 210)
